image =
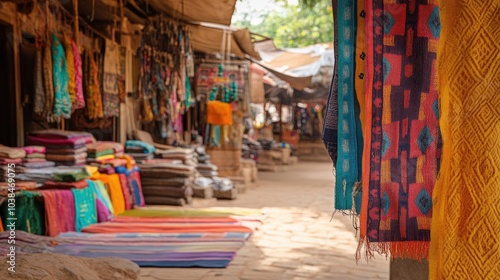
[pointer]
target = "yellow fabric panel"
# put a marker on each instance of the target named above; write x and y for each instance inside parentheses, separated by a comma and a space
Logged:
(465, 228)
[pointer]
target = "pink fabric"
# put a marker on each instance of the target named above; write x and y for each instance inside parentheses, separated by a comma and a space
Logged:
(34, 149)
(55, 142)
(80, 99)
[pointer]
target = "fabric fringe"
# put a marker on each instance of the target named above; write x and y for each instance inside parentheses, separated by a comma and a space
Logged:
(417, 250)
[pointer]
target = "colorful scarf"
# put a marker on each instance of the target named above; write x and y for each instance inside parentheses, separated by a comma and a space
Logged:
(62, 100)
(80, 98)
(70, 63)
(59, 211)
(465, 232)
(348, 165)
(402, 136)
(85, 213)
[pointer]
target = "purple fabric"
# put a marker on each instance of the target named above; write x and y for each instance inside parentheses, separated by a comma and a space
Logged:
(103, 214)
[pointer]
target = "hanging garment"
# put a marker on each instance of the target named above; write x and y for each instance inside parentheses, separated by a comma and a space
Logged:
(331, 115)
(348, 165)
(48, 81)
(465, 231)
(111, 101)
(70, 63)
(62, 100)
(402, 138)
(39, 100)
(93, 89)
(85, 213)
(79, 95)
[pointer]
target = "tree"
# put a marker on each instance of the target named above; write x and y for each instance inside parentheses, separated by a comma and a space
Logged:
(292, 25)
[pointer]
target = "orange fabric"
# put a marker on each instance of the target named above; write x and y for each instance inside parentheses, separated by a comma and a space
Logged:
(465, 231)
(219, 113)
(115, 192)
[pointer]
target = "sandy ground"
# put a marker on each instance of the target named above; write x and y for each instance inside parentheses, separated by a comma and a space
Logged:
(297, 239)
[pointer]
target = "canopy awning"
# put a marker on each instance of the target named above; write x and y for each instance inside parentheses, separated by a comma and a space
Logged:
(213, 11)
(210, 39)
(296, 66)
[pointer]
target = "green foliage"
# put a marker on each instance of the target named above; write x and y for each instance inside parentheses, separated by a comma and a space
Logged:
(308, 23)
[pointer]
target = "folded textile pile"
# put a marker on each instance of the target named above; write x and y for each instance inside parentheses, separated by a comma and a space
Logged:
(63, 147)
(139, 150)
(101, 151)
(204, 166)
(167, 183)
(9, 158)
(202, 155)
(35, 157)
(186, 155)
(250, 148)
(207, 170)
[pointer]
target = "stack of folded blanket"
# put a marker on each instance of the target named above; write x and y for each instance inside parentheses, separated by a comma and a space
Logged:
(139, 150)
(186, 155)
(204, 166)
(102, 151)
(63, 147)
(35, 157)
(167, 183)
(207, 170)
(11, 155)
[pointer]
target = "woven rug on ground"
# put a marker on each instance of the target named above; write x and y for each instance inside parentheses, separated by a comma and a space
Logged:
(165, 250)
(402, 138)
(466, 221)
(167, 237)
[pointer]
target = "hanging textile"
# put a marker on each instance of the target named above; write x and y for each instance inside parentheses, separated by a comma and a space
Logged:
(331, 115)
(48, 80)
(59, 211)
(93, 95)
(466, 222)
(80, 98)
(348, 165)
(111, 101)
(62, 100)
(39, 100)
(70, 63)
(402, 137)
(219, 113)
(86, 213)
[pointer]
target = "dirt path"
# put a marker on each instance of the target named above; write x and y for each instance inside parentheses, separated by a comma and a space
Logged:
(297, 239)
